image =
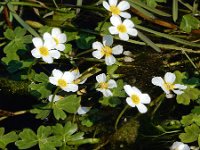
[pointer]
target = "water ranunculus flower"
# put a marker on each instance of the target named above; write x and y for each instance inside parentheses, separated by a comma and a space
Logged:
(63, 80)
(58, 37)
(137, 98)
(117, 9)
(106, 50)
(44, 50)
(168, 84)
(104, 86)
(124, 29)
(179, 146)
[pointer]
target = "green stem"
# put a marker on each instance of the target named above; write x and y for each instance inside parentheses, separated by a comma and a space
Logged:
(55, 3)
(120, 115)
(85, 52)
(30, 67)
(21, 112)
(103, 23)
(55, 92)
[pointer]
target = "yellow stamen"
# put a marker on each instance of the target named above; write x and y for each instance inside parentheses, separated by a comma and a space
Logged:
(103, 85)
(122, 28)
(56, 40)
(135, 99)
(62, 83)
(106, 50)
(44, 51)
(115, 10)
(168, 86)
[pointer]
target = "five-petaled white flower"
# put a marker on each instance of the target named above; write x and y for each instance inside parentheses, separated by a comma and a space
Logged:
(117, 10)
(64, 80)
(44, 50)
(58, 37)
(104, 86)
(106, 50)
(124, 29)
(179, 146)
(137, 98)
(168, 84)
(55, 99)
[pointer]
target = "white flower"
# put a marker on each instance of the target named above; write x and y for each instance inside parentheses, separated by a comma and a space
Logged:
(58, 37)
(122, 28)
(83, 110)
(106, 50)
(43, 49)
(104, 85)
(63, 80)
(77, 74)
(117, 10)
(56, 98)
(168, 84)
(179, 146)
(137, 98)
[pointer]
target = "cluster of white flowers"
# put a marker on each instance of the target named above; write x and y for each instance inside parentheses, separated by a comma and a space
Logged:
(123, 28)
(50, 46)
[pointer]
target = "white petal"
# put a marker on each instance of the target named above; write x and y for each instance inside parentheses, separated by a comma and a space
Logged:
(36, 53)
(113, 2)
(50, 43)
(128, 23)
(123, 5)
(178, 92)
(76, 73)
(101, 78)
(180, 86)
(46, 36)
(55, 31)
(68, 76)
(145, 99)
(57, 73)
(132, 31)
(107, 93)
(117, 50)
(60, 47)
(83, 110)
(97, 54)
(128, 89)
(55, 54)
(47, 59)
(110, 60)
(112, 84)
(71, 88)
(169, 77)
(142, 108)
(115, 20)
(53, 80)
(165, 90)
(130, 102)
(136, 91)
(62, 38)
(97, 45)
(56, 98)
(124, 36)
(107, 40)
(125, 15)
(37, 42)
(106, 5)
(113, 30)
(170, 95)
(158, 81)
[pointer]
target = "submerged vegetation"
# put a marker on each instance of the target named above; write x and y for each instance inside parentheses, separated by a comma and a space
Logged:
(100, 74)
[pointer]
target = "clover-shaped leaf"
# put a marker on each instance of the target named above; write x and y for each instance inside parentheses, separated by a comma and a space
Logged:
(191, 118)
(191, 134)
(5, 139)
(110, 101)
(41, 110)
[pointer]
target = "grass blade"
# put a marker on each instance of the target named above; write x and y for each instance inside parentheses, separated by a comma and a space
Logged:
(175, 10)
(148, 41)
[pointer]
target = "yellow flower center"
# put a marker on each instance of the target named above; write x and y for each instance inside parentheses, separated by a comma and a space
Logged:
(115, 10)
(168, 86)
(44, 51)
(104, 85)
(121, 28)
(135, 99)
(106, 50)
(56, 40)
(62, 83)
